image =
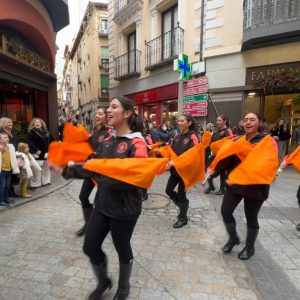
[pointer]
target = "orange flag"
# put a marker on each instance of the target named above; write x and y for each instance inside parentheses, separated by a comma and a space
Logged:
(215, 146)
(206, 139)
(241, 148)
(156, 145)
(165, 152)
(190, 165)
(136, 171)
(259, 167)
(75, 146)
(294, 158)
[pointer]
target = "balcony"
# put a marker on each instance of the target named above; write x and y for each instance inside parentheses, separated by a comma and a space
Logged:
(125, 8)
(103, 32)
(104, 63)
(270, 22)
(164, 49)
(103, 93)
(24, 55)
(128, 65)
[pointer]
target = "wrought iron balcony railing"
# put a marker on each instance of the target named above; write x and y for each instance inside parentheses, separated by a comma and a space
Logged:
(22, 54)
(163, 49)
(128, 65)
(269, 22)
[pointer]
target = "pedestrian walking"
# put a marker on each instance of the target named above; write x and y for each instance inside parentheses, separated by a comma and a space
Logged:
(39, 139)
(8, 163)
(28, 164)
(254, 195)
(117, 204)
(223, 131)
(281, 134)
(101, 133)
(182, 142)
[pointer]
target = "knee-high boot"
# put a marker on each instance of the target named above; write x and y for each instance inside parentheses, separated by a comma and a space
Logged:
(210, 187)
(23, 187)
(249, 250)
(233, 238)
(86, 214)
(182, 217)
(104, 282)
(124, 285)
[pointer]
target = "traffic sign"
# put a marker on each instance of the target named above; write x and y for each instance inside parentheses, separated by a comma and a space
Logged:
(198, 113)
(195, 98)
(195, 82)
(195, 90)
(195, 105)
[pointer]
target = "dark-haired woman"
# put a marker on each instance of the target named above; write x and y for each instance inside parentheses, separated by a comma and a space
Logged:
(223, 131)
(182, 142)
(281, 135)
(101, 133)
(254, 195)
(117, 204)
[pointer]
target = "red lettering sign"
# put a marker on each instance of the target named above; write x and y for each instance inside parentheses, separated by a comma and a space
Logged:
(195, 82)
(195, 105)
(195, 90)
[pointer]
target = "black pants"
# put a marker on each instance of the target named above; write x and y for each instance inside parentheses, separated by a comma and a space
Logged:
(251, 208)
(98, 227)
(298, 195)
(180, 196)
(86, 189)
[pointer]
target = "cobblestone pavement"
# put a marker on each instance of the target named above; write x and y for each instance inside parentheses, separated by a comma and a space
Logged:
(40, 258)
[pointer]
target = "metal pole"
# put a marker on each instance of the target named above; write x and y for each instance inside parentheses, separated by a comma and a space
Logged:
(201, 31)
(213, 104)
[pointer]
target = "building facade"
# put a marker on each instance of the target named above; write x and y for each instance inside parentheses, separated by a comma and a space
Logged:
(27, 60)
(89, 64)
(145, 37)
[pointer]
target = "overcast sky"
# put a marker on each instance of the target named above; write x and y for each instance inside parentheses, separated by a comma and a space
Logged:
(64, 37)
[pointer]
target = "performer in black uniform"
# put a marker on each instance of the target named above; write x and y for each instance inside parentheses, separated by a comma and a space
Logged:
(182, 142)
(117, 204)
(223, 131)
(254, 195)
(101, 133)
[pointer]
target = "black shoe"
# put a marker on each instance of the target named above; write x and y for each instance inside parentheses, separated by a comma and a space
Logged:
(81, 231)
(233, 238)
(124, 285)
(298, 227)
(210, 187)
(181, 222)
(33, 188)
(220, 192)
(249, 249)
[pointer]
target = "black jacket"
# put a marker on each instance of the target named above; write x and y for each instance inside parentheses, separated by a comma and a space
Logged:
(254, 191)
(99, 136)
(114, 198)
(39, 140)
(13, 138)
(282, 132)
(221, 133)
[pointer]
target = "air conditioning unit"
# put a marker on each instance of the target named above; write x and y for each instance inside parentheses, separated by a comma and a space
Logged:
(198, 68)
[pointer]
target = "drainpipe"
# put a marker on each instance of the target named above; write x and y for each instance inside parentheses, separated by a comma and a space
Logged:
(201, 31)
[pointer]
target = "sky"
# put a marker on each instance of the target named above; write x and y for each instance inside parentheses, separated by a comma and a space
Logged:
(64, 37)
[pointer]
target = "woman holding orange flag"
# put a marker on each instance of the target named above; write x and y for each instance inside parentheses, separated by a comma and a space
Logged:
(252, 187)
(182, 142)
(223, 132)
(117, 203)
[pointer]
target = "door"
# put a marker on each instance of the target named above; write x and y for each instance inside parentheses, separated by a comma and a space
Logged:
(132, 53)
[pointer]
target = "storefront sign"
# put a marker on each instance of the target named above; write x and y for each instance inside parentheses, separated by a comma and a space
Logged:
(256, 74)
(162, 93)
(196, 98)
(195, 82)
(195, 90)
(195, 105)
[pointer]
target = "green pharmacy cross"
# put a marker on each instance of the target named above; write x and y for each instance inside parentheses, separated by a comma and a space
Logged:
(182, 65)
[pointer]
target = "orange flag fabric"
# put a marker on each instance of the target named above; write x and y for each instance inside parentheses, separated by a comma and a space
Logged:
(259, 167)
(206, 139)
(294, 159)
(241, 148)
(190, 165)
(215, 146)
(75, 146)
(136, 171)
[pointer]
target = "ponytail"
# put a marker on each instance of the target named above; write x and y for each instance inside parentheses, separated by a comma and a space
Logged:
(189, 118)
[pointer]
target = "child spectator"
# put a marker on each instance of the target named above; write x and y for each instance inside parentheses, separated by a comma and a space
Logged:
(28, 164)
(9, 166)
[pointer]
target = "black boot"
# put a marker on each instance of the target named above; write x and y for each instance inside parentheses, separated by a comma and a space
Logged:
(124, 286)
(182, 217)
(298, 227)
(86, 214)
(210, 186)
(222, 189)
(233, 238)
(104, 282)
(249, 250)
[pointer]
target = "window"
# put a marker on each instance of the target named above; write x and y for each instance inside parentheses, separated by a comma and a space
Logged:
(104, 57)
(104, 82)
(131, 45)
(103, 26)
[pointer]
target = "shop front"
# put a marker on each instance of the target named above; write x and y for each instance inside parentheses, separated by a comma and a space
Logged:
(274, 93)
(158, 104)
